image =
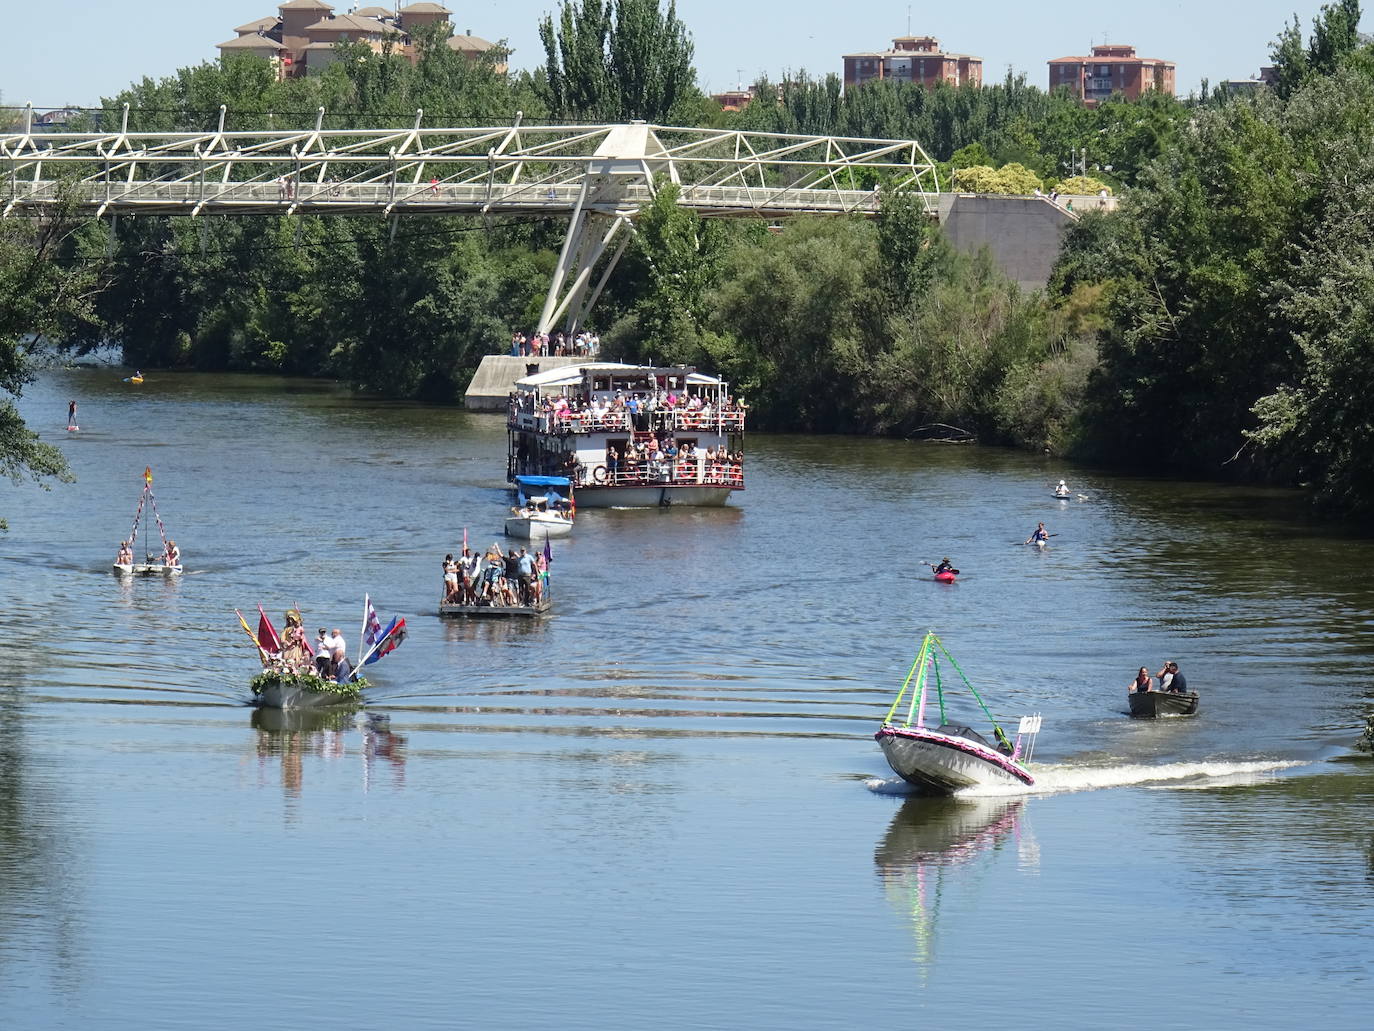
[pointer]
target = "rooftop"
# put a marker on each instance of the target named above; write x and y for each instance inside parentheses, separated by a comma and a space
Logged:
(259, 25)
(252, 41)
(304, 5)
(424, 9)
(350, 23)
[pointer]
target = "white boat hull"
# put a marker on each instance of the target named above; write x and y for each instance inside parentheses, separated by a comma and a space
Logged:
(537, 529)
(653, 496)
(945, 763)
(145, 569)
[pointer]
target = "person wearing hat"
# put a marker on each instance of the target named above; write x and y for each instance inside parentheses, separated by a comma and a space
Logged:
(1062, 491)
(945, 566)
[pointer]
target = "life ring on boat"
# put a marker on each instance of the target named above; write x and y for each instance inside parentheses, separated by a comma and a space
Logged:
(599, 474)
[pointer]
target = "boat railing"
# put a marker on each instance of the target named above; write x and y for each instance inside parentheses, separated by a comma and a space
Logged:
(586, 420)
(684, 473)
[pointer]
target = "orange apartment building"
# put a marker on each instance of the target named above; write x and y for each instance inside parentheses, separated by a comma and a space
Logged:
(1112, 68)
(916, 59)
(301, 38)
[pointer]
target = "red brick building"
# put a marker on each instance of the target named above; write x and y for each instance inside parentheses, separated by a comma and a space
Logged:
(301, 38)
(1112, 68)
(916, 59)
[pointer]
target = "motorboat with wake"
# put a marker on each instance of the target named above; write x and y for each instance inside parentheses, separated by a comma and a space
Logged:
(167, 562)
(544, 508)
(950, 755)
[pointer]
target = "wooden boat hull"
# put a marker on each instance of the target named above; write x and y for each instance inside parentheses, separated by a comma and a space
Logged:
(653, 495)
(537, 529)
(944, 763)
(495, 611)
(1149, 704)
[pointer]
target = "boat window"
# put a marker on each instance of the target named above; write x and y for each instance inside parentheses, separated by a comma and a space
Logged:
(956, 730)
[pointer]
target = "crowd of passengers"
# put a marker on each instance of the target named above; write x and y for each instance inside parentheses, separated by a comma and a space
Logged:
(584, 345)
(643, 411)
(512, 579)
(661, 460)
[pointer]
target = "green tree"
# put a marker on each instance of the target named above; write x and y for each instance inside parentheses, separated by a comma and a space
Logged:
(616, 60)
(41, 290)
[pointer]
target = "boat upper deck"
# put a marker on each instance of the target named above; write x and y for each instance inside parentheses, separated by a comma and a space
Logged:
(613, 398)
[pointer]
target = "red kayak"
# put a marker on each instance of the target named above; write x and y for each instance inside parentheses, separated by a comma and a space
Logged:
(947, 577)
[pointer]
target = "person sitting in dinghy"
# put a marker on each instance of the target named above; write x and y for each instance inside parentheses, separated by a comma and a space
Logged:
(126, 554)
(1141, 683)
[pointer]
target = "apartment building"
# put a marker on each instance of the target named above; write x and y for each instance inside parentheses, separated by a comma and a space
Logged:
(917, 59)
(301, 38)
(1111, 68)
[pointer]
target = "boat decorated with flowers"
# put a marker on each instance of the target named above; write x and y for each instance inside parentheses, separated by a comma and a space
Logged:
(628, 436)
(297, 675)
(950, 755)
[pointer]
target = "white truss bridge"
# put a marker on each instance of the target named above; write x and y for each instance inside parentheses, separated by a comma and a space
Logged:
(596, 176)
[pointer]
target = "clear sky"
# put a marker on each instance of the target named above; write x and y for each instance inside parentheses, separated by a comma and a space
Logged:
(100, 46)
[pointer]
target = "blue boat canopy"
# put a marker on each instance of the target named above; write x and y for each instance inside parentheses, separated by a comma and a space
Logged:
(542, 481)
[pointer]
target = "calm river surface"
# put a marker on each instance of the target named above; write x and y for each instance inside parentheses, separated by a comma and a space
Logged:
(662, 806)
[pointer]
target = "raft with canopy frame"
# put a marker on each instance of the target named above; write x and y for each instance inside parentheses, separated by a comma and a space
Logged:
(950, 755)
(155, 563)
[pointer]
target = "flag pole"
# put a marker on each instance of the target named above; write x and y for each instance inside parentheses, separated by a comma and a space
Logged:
(391, 629)
(252, 636)
(362, 631)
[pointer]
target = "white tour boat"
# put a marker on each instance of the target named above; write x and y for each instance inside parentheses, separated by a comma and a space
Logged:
(629, 436)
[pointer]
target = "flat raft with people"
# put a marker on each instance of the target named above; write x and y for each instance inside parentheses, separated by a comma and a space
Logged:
(493, 586)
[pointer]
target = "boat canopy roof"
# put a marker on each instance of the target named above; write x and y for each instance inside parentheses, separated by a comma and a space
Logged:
(568, 375)
(543, 481)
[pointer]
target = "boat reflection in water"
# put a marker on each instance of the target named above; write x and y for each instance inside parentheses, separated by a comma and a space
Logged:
(331, 735)
(933, 850)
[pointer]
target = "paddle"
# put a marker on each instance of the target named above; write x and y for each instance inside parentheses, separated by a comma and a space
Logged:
(1047, 536)
(932, 566)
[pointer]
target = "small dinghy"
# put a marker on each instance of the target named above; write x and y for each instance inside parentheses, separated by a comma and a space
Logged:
(1149, 704)
(167, 562)
(537, 517)
(951, 755)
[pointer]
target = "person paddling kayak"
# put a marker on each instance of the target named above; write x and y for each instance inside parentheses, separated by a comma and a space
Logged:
(1039, 536)
(943, 567)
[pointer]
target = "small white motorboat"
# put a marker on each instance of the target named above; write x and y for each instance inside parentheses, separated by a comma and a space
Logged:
(537, 524)
(950, 755)
(539, 517)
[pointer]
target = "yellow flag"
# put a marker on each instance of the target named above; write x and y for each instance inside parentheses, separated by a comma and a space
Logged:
(148, 475)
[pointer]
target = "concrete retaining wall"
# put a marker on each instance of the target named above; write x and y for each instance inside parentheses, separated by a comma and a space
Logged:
(1023, 233)
(495, 378)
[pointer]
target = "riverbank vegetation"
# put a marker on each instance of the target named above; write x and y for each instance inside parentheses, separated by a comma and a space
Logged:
(1214, 324)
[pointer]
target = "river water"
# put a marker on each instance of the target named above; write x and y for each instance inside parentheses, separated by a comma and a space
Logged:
(662, 806)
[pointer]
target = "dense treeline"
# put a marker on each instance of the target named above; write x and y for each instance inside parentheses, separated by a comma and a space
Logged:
(1216, 323)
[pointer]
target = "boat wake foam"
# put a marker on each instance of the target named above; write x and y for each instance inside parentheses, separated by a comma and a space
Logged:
(1057, 779)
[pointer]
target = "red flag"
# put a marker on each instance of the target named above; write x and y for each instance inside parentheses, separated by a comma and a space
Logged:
(268, 640)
